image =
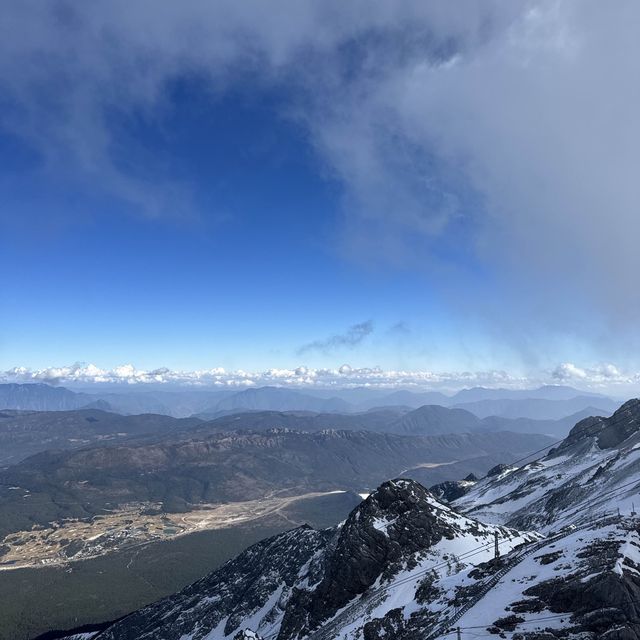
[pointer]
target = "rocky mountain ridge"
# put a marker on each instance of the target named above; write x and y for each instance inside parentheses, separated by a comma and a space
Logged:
(594, 469)
(295, 583)
(404, 565)
(424, 420)
(547, 402)
(184, 469)
(26, 433)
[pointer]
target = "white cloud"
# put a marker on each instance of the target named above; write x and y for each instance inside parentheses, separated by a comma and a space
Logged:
(342, 377)
(569, 371)
(502, 131)
(602, 375)
(521, 150)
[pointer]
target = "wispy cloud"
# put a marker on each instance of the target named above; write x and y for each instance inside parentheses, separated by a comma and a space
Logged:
(399, 329)
(353, 336)
(416, 107)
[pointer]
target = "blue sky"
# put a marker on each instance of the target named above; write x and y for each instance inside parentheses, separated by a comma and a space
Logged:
(242, 273)
(215, 186)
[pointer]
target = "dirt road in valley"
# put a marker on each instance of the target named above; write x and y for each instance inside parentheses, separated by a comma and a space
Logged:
(130, 527)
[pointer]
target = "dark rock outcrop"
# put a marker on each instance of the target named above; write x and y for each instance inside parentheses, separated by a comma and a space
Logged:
(387, 627)
(606, 432)
(596, 598)
(497, 470)
(450, 490)
(391, 525)
(624, 423)
(247, 634)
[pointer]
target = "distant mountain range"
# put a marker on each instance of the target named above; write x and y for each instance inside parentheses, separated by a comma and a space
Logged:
(538, 408)
(475, 394)
(426, 420)
(546, 392)
(44, 397)
(25, 433)
(182, 469)
(41, 397)
(544, 403)
(405, 565)
(405, 398)
(277, 399)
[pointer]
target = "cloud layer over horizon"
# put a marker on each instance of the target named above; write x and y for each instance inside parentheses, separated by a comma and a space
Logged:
(605, 378)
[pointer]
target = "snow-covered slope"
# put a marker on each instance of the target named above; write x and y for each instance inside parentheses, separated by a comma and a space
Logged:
(596, 470)
(329, 583)
(404, 565)
(586, 581)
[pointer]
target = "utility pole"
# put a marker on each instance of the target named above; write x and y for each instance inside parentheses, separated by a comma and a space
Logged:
(497, 547)
(458, 631)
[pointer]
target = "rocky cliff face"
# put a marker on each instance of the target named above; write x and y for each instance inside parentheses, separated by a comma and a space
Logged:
(387, 532)
(607, 433)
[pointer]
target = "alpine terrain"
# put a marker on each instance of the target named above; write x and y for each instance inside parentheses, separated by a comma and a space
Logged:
(547, 550)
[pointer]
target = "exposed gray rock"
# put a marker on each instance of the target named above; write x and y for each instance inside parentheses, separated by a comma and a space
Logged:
(390, 526)
(606, 432)
(497, 470)
(451, 489)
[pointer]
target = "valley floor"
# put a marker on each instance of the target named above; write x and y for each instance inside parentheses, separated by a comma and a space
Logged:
(134, 526)
(104, 582)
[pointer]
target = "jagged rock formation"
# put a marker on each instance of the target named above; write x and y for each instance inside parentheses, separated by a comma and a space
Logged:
(294, 583)
(451, 490)
(607, 432)
(499, 469)
(397, 522)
